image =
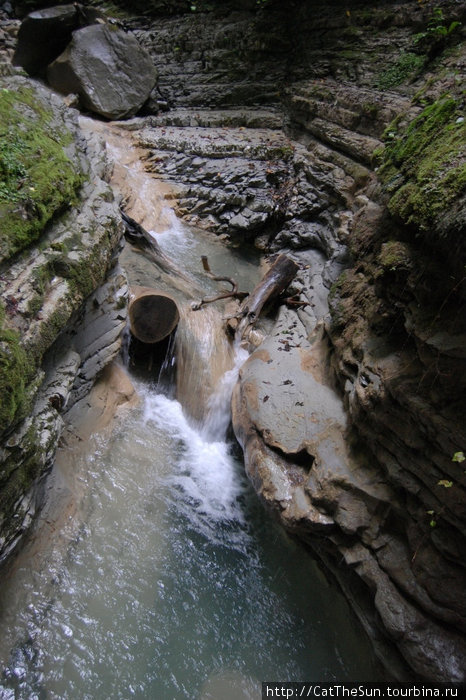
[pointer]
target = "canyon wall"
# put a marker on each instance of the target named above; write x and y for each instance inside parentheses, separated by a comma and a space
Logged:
(62, 293)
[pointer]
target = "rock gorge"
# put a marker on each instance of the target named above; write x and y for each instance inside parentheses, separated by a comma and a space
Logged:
(334, 132)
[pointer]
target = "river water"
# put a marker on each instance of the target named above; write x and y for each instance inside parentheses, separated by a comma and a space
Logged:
(175, 582)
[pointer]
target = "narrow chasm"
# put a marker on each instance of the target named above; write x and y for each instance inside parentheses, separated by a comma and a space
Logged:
(232, 346)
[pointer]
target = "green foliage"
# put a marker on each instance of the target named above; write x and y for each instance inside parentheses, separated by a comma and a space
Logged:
(407, 67)
(12, 169)
(395, 255)
(37, 179)
(458, 457)
(437, 33)
(424, 165)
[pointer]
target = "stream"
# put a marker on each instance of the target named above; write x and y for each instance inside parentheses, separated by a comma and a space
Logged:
(173, 581)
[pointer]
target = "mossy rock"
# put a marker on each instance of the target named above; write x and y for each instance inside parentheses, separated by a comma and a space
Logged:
(406, 68)
(37, 177)
(423, 169)
(14, 372)
(395, 255)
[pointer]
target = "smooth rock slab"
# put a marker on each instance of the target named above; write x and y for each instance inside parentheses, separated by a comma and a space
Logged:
(109, 70)
(285, 397)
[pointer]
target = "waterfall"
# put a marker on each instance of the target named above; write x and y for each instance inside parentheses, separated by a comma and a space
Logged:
(217, 419)
(205, 479)
(191, 401)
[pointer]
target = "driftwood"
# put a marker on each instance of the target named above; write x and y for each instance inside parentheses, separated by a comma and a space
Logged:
(148, 246)
(275, 281)
(223, 295)
(293, 302)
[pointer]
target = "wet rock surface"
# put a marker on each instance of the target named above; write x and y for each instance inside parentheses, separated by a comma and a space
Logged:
(229, 179)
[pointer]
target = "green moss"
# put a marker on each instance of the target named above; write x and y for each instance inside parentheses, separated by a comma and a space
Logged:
(424, 166)
(47, 333)
(395, 255)
(407, 67)
(350, 54)
(370, 109)
(40, 279)
(284, 152)
(37, 179)
(35, 305)
(338, 284)
(14, 373)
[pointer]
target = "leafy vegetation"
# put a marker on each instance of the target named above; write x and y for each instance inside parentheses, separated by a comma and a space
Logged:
(437, 34)
(407, 67)
(427, 44)
(14, 373)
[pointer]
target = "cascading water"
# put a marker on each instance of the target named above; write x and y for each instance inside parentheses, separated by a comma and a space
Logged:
(218, 416)
(176, 583)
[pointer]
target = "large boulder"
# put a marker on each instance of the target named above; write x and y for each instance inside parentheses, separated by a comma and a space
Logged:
(43, 35)
(109, 70)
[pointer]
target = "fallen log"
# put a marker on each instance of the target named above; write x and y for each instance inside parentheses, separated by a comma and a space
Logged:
(274, 282)
(146, 244)
(293, 302)
(153, 315)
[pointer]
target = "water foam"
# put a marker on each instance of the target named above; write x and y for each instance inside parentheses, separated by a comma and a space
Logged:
(205, 479)
(175, 237)
(218, 416)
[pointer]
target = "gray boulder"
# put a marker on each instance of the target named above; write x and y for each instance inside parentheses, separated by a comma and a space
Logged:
(109, 70)
(43, 35)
